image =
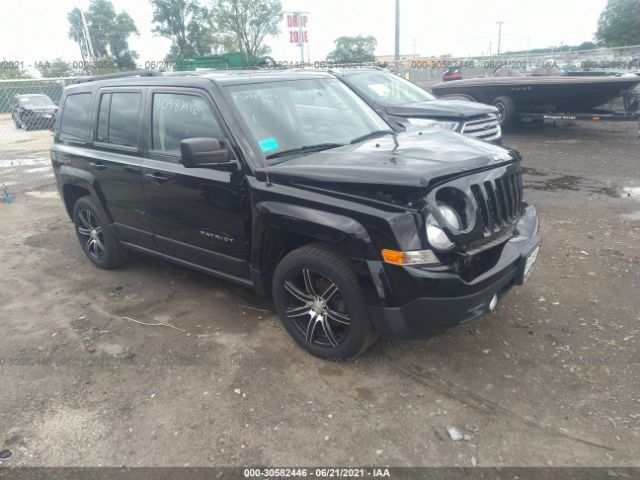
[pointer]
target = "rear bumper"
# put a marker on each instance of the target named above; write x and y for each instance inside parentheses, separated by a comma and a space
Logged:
(432, 299)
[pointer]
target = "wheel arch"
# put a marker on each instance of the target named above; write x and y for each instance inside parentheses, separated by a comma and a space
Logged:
(70, 194)
(76, 183)
(280, 228)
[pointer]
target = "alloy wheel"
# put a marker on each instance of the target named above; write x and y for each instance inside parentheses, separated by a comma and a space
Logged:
(317, 309)
(91, 233)
(501, 109)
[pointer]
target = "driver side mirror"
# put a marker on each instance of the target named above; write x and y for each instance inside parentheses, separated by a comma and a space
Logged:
(204, 152)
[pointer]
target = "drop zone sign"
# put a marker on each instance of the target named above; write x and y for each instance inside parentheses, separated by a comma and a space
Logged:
(297, 25)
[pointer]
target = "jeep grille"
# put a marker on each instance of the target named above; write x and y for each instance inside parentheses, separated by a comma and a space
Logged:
(499, 201)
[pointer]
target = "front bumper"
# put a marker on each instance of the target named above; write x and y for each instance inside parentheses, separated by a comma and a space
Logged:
(420, 301)
(36, 120)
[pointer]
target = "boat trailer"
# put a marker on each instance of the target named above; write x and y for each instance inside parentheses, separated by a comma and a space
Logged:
(631, 113)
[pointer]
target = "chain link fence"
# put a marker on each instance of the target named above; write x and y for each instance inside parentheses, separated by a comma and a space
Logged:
(27, 113)
(27, 106)
(616, 60)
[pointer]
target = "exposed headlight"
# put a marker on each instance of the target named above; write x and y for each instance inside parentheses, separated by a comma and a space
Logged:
(450, 216)
(436, 236)
(427, 122)
(438, 239)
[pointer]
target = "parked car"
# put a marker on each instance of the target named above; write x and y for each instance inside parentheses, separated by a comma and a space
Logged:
(32, 111)
(290, 184)
(402, 104)
(451, 73)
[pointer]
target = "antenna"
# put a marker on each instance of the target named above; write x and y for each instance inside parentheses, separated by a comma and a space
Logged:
(266, 172)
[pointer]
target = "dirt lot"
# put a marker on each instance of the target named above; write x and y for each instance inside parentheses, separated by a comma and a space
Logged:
(24, 156)
(549, 378)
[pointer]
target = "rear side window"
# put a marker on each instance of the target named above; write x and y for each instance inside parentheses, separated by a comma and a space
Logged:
(179, 116)
(75, 117)
(118, 118)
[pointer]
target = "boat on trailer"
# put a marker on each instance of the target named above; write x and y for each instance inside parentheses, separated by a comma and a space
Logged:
(531, 95)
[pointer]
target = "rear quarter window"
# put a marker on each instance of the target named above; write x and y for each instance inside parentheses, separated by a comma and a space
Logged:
(74, 124)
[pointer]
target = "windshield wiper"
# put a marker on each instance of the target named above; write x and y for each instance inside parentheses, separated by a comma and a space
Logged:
(307, 148)
(375, 133)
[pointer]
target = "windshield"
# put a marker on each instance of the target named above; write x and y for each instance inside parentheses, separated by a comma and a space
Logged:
(308, 114)
(387, 88)
(36, 101)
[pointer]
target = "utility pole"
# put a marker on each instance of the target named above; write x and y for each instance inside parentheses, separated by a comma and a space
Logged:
(499, 35)
(87, 41)
(299, 15)
(397, 46)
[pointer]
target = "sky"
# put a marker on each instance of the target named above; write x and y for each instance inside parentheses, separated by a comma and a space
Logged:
(429, 28)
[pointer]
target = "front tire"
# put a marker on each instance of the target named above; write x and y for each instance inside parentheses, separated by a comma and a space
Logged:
(506, 110)
(96, 236)
(319, 301)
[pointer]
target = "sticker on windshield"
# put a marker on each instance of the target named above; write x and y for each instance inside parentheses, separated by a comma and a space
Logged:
(268, 144)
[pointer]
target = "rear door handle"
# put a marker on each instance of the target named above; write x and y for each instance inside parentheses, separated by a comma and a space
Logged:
(98, 165)
(156, 177)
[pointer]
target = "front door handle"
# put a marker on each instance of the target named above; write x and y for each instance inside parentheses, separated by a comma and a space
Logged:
(98, 165)
(156, 177)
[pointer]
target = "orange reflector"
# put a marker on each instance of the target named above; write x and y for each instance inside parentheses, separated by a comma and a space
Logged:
(595, 118)
(391, 256)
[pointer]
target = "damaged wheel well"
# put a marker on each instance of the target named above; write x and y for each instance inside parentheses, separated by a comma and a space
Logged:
(276, 245)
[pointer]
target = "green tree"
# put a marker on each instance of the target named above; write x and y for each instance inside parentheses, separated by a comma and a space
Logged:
(188, 25)
(109, 32)
(55, 68)
(354, 49)
(619, 23)
(11, 71)
(248, 22)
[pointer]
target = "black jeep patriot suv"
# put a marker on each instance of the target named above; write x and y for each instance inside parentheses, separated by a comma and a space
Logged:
(290, 184)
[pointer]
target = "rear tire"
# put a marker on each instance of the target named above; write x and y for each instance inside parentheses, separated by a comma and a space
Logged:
(319, 301)
(96, 236)
(506, 110)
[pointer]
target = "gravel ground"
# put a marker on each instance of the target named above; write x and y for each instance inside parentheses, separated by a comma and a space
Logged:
(24, 157)
(549, 378)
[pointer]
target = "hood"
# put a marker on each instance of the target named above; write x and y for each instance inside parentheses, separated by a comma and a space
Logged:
(416, 158)
(441, 109)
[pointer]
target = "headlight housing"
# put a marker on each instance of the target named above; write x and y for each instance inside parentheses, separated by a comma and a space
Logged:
(450, 216)
(436, 235)
(427, 122)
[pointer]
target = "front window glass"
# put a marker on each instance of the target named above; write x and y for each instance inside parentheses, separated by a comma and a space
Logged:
(295, 114)
(177, 117)
(387, 88)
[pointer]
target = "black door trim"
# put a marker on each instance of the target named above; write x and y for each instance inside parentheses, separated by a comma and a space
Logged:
(247, 282)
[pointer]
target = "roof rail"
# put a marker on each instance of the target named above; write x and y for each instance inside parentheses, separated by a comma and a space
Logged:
(130, 73)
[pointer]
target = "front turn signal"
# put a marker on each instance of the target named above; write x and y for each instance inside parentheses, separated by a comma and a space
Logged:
(416, 257)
